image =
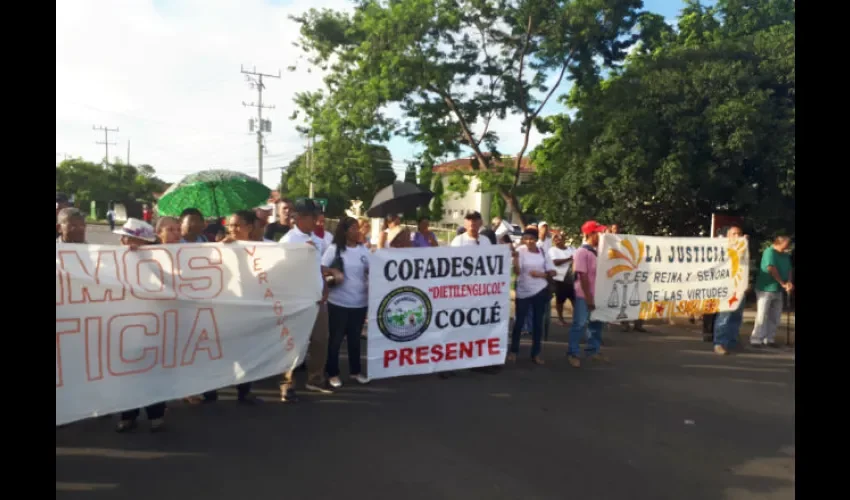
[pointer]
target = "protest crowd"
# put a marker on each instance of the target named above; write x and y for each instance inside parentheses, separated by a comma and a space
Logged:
(543, 261)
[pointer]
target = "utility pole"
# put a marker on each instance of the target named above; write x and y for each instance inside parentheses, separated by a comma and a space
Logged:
(262, 125)
(106, 131)
(128, 152)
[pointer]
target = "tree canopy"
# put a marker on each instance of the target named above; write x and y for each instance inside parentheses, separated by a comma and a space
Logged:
(118, 182)
(339, 174)
(700, 119)
(437, 72)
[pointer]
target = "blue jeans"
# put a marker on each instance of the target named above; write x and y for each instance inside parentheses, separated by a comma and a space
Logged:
(727, 326)
(547, 320)
(532, 307)
(580, 321)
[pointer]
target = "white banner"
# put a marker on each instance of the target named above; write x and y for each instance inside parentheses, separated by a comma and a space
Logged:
(163, 322)
(647, 277)
(438, 308)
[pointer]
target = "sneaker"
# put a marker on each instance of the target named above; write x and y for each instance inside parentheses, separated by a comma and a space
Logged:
(574, 361)
(511, 358)
(537, 360)
(600, 358)
(360, 379)
(335, 382)
(719, 349)
(756, 345)
(773, 345)
(322, 389)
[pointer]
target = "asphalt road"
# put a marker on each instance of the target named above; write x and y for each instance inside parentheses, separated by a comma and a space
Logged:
(667, 419)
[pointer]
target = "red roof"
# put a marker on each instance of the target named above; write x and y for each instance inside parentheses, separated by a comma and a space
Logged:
(465, 164)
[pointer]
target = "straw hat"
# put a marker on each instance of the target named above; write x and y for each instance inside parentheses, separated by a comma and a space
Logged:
(135, 228)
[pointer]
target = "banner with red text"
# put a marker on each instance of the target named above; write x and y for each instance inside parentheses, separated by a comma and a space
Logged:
(648, 277)
(168, 321)
(438, 308)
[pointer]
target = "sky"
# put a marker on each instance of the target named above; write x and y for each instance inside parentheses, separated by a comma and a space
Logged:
(166, 74)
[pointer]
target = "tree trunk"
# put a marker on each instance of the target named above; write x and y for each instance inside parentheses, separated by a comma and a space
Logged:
(517, 215)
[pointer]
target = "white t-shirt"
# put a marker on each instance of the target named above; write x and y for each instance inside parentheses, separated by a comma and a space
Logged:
(354, 290)
(295, 235)
(328, 239)
(526, 285)
(545, 244)
(464, 239)
(556, 253)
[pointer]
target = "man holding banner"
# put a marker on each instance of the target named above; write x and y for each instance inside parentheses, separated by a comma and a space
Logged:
(306, 213)
(585, 287)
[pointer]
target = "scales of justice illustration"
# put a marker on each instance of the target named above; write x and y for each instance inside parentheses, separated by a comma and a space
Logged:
(633, 300)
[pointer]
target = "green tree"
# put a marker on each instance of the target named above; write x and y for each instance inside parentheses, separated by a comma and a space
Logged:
(118, 182)
(700, 119)
(452, 66)
(426, 182)
(410, 176)
(437, 202)
(339, 176)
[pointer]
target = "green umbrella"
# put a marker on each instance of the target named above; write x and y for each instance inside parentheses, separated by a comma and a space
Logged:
(216, 193)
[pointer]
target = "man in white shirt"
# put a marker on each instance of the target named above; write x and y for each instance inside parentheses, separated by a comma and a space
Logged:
(472, 223)
(561, 256)
(306, 212)
(544, 242)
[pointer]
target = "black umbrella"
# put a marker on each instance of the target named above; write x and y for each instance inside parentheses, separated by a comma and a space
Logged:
(398, 198)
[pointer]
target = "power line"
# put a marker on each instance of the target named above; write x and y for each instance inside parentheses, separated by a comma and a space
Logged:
(106, 143)
(262, 125)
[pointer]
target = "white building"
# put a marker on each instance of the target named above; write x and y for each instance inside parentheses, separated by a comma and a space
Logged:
(456, 206)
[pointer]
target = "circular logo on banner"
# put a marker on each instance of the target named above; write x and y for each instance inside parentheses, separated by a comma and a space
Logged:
(404, 314)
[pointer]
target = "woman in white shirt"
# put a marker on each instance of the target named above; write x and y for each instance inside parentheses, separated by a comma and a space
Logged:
(348, 300)
(533, 270)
